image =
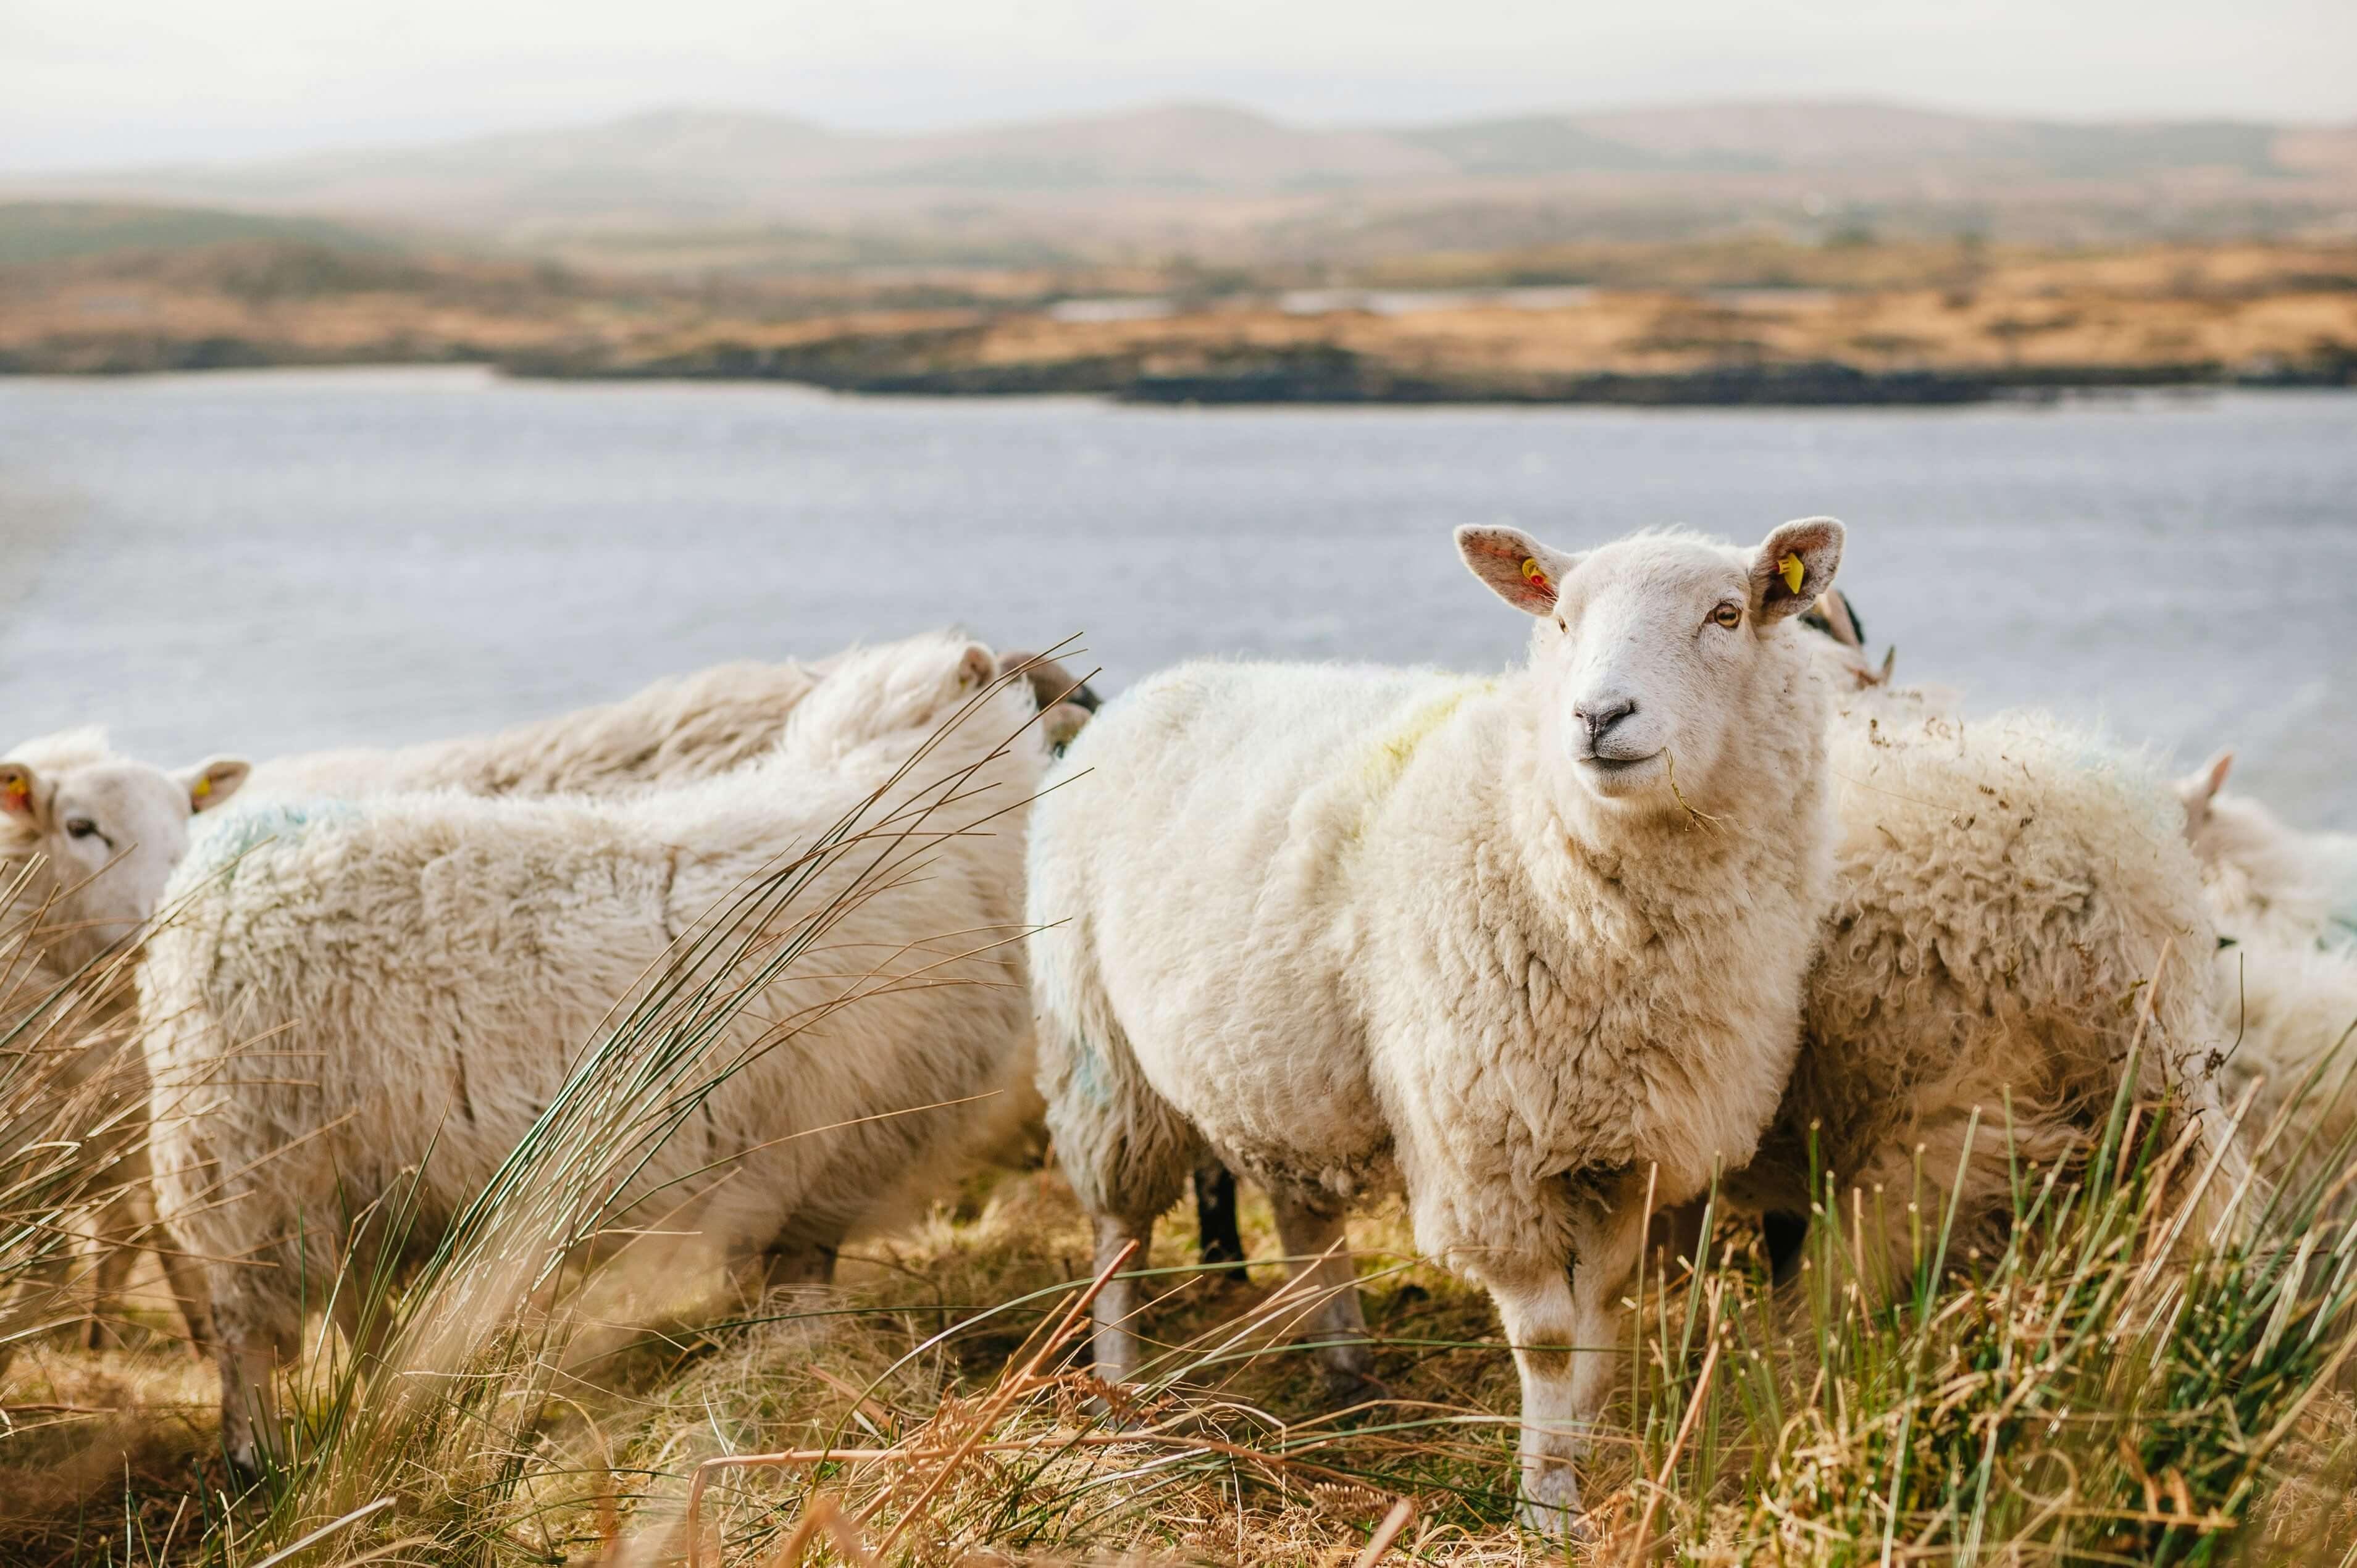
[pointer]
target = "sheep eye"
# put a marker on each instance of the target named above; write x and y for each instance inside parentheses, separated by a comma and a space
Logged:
(80, 828)
(1729, 613)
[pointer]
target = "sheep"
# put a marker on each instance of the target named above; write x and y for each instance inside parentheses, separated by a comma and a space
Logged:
(2265, 879)
(2006, 888)
(87, 841)
(674, 731)
(1519, 947)
(2285, 907)
(2014, 911)
(440, 959)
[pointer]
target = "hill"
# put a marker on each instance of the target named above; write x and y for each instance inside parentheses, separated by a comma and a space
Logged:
(60, 231)
(1228, 183)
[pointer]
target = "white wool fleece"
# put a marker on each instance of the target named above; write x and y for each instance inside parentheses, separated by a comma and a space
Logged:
(1514, 945)
(353, 987)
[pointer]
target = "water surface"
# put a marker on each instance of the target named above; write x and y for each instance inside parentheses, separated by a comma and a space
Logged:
(285, 560)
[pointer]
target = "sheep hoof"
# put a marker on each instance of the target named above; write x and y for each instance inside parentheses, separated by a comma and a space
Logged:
(1551, 1506)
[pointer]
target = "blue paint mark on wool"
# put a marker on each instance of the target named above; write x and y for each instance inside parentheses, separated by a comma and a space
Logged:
(229, 836)
(1087, 1067)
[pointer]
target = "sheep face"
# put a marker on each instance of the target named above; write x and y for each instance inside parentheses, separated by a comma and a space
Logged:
(1652, 653)
(108, 833)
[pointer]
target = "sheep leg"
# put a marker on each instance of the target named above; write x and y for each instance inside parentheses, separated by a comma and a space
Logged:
(1114, 1343)
(1318, 1256)
(249, 1401)
(104, 1329)
(187, 1282)
(1566, 1330)
(1540, 1319)
(1605, 1253)
(1219, 1239)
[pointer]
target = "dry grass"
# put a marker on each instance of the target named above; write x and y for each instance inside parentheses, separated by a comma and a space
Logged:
(2081, 1399)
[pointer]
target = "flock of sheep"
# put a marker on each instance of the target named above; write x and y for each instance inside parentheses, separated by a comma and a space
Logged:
(1696, 897)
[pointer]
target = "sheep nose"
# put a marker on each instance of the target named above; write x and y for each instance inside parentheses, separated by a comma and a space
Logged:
(1600, 714)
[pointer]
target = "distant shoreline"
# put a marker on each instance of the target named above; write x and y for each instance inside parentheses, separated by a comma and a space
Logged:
(1872, 329)
(1330, 379)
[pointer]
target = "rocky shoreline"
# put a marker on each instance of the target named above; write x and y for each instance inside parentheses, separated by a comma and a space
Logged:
(931, 364)
(1331, 374)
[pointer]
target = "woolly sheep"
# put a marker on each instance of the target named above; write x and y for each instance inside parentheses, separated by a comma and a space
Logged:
(2005, 891)
(1518, 946)
(674, 731)
(440, 959)
(2267, 879)
(87, 840)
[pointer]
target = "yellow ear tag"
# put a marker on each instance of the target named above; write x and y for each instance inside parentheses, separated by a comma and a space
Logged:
(1792, 571)
(1531, 572)
(201, 788)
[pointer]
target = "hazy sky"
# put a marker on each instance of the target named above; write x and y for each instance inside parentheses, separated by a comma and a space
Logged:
(93, 82)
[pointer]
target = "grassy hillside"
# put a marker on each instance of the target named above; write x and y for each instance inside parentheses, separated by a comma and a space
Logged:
(57, 230)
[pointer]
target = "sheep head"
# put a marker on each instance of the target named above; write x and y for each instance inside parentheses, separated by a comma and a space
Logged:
(1658, 657)
(106, 831)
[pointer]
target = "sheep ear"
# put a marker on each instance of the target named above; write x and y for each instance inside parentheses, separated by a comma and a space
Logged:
(1518, 568)
(977, 668)
(2200, 786)
(1793, 566)
(20, 795)
(214, 780)
(1832, 615)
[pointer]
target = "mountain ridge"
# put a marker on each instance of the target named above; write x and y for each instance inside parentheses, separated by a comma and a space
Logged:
(683, 165)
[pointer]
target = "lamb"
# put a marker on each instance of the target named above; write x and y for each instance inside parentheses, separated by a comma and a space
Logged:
(87, 840)
(1520, 946)
(441, 960)
(673, 732)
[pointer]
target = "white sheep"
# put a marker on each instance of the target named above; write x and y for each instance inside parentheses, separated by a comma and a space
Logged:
(2265, 878)
(2005, 891)
(435, 963)
(87, 841)
(1521, 946)
(674, 731)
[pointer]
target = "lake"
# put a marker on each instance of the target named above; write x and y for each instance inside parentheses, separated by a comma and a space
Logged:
(286, 560)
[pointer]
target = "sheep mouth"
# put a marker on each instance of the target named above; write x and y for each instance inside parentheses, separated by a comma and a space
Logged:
(1612, 764)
